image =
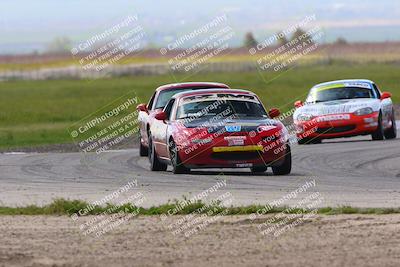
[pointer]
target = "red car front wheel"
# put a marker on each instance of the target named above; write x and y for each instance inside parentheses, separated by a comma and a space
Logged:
(177, 165)
(155, 163)
(286, 166)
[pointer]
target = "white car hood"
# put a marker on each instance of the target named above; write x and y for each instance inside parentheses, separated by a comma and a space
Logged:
(338, 106)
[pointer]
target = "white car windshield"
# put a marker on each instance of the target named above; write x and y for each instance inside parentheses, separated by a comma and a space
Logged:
(322, 95)
(165, 95)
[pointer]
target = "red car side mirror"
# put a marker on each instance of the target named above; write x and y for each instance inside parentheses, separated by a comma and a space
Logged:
(274, 112)
(386, 95)
(298, 104)
(161, 116)
(142, 107)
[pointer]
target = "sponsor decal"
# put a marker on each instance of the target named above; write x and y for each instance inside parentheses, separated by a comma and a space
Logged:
(334, 109)
(328, 108)
(235, 140)
(358, 84)
(244, 165)
(335, 117)
(265, 128)
(233, 128)
(341, 85)
(330, 86)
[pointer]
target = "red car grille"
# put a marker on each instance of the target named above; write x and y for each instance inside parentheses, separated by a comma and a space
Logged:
(339, 129)
(238, 155)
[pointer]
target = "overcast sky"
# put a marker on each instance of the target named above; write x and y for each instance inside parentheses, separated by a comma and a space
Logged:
(38, 22)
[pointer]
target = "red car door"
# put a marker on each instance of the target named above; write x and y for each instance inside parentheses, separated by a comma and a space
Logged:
(161, 127)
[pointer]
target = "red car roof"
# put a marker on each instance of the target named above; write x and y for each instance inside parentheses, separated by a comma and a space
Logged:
(213, 90)
(191, 85)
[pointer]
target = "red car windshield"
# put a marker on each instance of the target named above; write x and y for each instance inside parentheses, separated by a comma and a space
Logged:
(165, 95)
(226, 108)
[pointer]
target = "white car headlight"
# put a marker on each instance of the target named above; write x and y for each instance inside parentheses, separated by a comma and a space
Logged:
(304, 117)
(363, 111)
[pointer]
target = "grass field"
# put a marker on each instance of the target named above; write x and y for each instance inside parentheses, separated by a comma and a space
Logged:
(68, 207)
(40, 112)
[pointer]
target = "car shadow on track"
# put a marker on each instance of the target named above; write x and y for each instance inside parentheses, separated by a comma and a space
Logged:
(237, 173)
(335, 141)
(356, 139)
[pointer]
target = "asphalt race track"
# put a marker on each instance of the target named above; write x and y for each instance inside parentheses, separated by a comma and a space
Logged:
(351, 171)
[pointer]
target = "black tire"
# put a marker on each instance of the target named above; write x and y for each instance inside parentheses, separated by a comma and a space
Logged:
(155, 163)
(392, 132)
(143, 151)
(316, 140)
(286, 166)
(177, 165)
(378, 134)
(308, 141)
(258, 169)
(303, 141)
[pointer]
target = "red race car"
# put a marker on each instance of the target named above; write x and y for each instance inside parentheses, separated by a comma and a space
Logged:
(157, 102)
(216, 128)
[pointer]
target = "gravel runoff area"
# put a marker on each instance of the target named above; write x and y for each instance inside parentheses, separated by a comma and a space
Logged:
(329, 240)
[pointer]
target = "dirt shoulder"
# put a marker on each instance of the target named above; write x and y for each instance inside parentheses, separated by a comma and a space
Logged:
(340, 240)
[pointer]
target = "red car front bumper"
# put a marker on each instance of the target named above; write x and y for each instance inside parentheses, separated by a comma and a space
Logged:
(337, 125)
(259, 150)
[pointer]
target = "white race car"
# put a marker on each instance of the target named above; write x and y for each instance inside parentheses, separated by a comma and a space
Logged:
(345, 108)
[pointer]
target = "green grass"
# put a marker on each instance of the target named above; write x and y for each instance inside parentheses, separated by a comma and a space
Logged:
(68, 207)
(40, 112)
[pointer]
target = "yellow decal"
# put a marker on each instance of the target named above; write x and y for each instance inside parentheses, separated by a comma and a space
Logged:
(330, 86)
(237, 148)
